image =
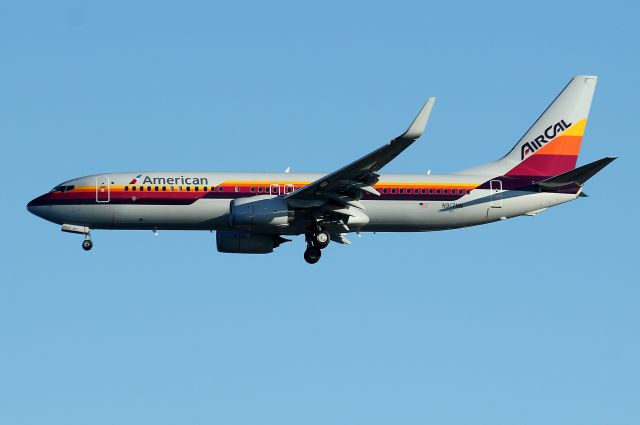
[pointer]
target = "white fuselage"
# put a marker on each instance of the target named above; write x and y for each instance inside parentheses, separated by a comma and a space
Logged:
(194, 201)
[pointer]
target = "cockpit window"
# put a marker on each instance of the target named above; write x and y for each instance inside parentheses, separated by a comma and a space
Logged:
(63, 188)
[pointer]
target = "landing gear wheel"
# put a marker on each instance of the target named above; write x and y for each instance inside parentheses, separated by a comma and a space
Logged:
(321, 239)
(87, 244)
(312, 254)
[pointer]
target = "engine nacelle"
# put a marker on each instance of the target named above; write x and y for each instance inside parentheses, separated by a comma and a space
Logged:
(247, 243)
(260, 211)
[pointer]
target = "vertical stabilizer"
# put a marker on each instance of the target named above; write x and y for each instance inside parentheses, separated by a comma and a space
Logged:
(552, 144)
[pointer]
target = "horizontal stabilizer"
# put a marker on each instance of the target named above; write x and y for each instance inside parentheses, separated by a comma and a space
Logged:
(577, 176)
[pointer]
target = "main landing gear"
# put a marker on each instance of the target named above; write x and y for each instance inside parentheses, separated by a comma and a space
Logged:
(312, 254)
(315, 242)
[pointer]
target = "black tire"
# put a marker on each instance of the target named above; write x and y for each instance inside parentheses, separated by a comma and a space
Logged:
(312, 255)
(87, 244)
(321, 239)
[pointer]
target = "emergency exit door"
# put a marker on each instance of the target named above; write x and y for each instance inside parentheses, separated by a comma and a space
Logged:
(103, 189)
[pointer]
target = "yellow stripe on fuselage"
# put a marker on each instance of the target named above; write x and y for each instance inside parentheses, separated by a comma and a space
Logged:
(297, 184)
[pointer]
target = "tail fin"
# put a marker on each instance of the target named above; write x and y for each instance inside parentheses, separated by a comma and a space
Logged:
(552, 144)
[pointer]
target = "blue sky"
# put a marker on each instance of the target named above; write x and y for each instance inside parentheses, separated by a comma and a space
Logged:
(533, 320)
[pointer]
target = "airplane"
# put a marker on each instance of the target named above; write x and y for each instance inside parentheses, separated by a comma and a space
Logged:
(253, 213)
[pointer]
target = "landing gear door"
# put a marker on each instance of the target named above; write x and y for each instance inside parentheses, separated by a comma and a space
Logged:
(496, 193)
(103, 189)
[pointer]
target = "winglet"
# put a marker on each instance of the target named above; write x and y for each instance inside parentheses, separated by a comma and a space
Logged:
(418, 125)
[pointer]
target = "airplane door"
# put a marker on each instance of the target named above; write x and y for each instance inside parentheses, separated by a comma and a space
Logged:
(103, 189)
(275, 189)
(496, 193)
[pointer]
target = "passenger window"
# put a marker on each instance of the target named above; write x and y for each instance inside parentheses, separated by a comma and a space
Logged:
(237, 189)
(133, 188)
(148, 188)
(459, 191)
(188, 188)
(445, 191)
(384, 190)
(260, 189)
(156, 188)
(220, 188)
(126, 188)
(437, 191)
(401, 190)
(253, 189)
(468, 192)
(196, 188)
(179, 188)
(424, 191)
(204, 189)
(393, 190)
(164, 188)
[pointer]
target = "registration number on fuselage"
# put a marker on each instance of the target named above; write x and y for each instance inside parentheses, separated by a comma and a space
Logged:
(451, 205)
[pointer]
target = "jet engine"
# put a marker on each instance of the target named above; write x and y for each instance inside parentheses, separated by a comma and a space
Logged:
(247, 243)
(260, 211)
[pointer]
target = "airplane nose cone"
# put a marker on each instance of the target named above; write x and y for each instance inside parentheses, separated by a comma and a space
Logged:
(35, 206)
(31, 205)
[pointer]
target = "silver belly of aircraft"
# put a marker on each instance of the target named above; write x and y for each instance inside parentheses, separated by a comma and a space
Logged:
(383, 216)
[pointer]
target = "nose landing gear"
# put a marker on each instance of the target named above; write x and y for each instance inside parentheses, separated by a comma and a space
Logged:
(87, 244)
(82, 230)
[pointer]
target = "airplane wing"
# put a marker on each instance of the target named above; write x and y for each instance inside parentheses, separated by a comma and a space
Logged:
(345, 187)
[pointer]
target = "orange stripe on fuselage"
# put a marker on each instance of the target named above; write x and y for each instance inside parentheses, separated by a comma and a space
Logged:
(426, 185)
(245, 185)
(260, 183)
(296, 184)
